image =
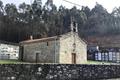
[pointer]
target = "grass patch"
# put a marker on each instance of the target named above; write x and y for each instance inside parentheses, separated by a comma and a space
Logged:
(97, 62)
(11, 62)
(20, 62)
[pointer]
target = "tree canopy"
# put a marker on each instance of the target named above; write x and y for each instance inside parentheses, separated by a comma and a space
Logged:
(18, 23)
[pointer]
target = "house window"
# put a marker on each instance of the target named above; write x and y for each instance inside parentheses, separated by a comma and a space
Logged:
(14, 54)
(47, 43)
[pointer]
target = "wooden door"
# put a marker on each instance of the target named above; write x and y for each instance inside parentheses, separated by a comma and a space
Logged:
(73, 58)
(37, 57)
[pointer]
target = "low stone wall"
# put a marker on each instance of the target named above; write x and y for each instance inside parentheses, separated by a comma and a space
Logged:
(58, 72)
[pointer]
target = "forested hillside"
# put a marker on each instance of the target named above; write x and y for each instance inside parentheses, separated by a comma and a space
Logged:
(18, 23)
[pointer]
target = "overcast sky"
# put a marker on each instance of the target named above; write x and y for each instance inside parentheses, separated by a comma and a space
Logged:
(108, 4)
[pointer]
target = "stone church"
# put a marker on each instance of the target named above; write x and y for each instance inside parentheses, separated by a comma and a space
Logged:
(68, 48)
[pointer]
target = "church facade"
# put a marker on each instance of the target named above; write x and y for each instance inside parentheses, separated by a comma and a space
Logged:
(68, 48)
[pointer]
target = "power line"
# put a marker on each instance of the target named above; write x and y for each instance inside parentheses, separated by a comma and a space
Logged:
(72, 3)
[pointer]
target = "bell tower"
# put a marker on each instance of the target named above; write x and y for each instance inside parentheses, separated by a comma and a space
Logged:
(74, 31)
(73, 25)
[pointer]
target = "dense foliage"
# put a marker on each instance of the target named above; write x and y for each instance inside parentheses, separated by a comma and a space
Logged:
(17, 24)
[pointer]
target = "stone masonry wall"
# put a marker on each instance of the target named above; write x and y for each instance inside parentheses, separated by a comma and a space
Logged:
(58, 72)
(66, 49)
(46, 54)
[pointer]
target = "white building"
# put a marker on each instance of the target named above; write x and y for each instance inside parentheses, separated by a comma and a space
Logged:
(8, 50)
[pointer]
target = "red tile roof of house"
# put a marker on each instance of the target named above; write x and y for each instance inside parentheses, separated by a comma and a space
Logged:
(105, 41)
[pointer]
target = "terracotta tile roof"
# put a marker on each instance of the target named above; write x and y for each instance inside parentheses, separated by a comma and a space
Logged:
(42, 39)
(39, 40)
(105, 41)
(48, 39)
(9, 43)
